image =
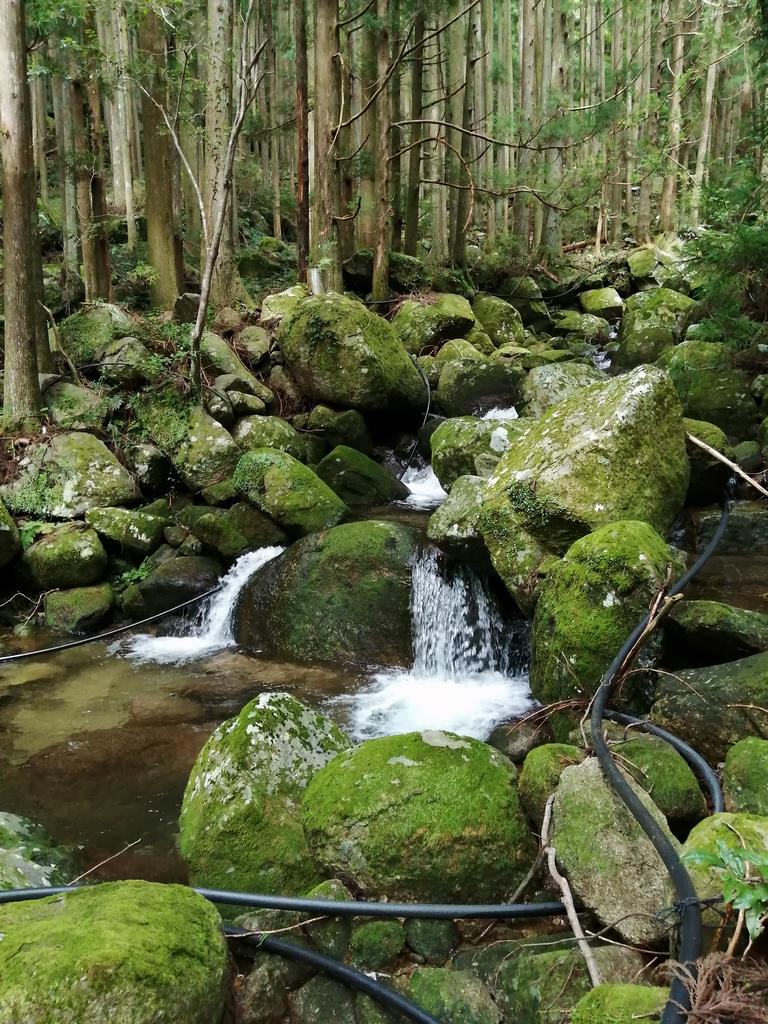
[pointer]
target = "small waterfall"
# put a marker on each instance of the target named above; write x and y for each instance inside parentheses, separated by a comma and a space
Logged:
(497, 413)
(467, 674)
(425, 488)
(212, 628)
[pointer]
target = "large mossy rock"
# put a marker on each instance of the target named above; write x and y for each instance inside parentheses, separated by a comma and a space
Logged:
(66, 476)
(358, 480)
(651, 325)
(455, 525)
(737, 832)
(230, 532)
(500, 320)
(745, 778)
(713, 708)
(128, 530)
(340, 352)
(86, 334)
(218, 357)
(583, 325)
(425, 324)
(708, 474)
(269, 432)
(68, 556)
(172, 582)
(79, 610)
(470, 387)
(541, 773)
(546, 386)
(335, 428)
(456, 997)
(620, 1004)
(468, 445)
(29, 858)
(124, 952)
(239, 826)
(426, 816)
(71, 407)
(289, 492)
(518, 557)
(340, 596)
(589, 603)
(710, 388)
(602, 302)
(610, 863)
(665, 775)
(612, 451)
(709, 633)
(276, 307)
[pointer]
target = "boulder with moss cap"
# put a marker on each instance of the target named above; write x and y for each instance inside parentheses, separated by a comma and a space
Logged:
(541, 773)
(358, 480)
(80, 609)
(425, 323)
(745, 777)
(289, 492)
(612, 451)
(340, 352)
(620, 1004)
(424, 816)
(455, 996)
(68, 556)
(339, 596)
(470, 387)
(129, 952)
(454, 526)
(500, 320)
(548, 385)
(239, 825)
(610, 863)
(467, 445)
(269, 432)
(589, 603)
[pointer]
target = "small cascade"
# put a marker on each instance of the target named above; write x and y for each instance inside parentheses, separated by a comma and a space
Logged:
(425, 488)
(212, 628)
(467, 675)
(499, 413)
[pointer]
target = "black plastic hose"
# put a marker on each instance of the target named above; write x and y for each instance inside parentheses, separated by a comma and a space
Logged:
(334, 969)
(342, 908)
(675, 1011)
(110, 632)
(693, 757)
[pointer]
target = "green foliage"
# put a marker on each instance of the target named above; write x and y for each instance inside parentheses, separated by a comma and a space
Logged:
(745, 881)
(133, 575)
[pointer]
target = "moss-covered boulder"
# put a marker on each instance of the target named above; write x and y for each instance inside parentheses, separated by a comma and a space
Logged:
(458, 348)
(455, 525)
(612, 451)
(376, 944)
(737, 832)
(219, 357)
(500, 320)
(228, 533)
(468, 445)
(29, 858)
(128, 530)
(620, 1004)
(253, 345)
(340, 352)
(68, 474)
(710, 388)
(525, 295)
(340, 596)
(589, 603)
(425, 323)
(288, 491)
(480, 340)
(651, 325)
(336, 428)
(518, 557)
(275, 308)
(570, 321)
(708, 474)
(173, 581)
(128, 363)
(79, 610)
(745, 778)
(610, 863)
(602, 302)
(455, 997)
(665, 776)
(472, 387)
(537, 986)
(642, 262)
(358, 480)
(269, 432)
(68, 556)
(424, 816)
(545, 386)
(10, 542)
(541, 773)
(206, 453)
(709, 633)
(72, 407)
(432, 940)
(151, 468)
(127, 952)
(239, 826)
(713, 708)
(86, 334)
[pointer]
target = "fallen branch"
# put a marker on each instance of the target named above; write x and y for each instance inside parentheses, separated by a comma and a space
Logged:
(726, 462)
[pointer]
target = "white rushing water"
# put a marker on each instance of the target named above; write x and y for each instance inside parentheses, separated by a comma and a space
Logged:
(463, 679)
(498, 413)
(211, 630)
(424, 486)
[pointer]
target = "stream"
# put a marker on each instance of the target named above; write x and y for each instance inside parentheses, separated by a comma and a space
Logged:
(97, 742)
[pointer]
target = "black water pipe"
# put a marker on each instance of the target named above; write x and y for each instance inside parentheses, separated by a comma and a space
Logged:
(110, 632)
(388, 997)
(675, 1011)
